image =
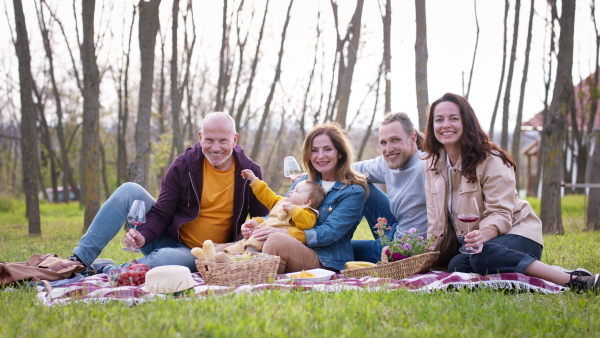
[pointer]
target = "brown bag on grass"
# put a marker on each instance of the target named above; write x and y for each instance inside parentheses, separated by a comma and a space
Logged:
(48, 267)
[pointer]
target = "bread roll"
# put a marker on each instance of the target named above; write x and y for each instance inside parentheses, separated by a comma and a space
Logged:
(198, 253)
(209, 250)
(222, 257)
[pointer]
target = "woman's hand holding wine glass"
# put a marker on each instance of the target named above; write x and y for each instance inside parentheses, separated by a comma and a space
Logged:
(469, 213)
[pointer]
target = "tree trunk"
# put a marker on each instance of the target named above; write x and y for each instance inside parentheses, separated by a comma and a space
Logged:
(594, 135)
(369, 129)
(421, 63)
(593, 176)
(555, 126)
(223, 55)
(511, 68)
(161, 90)
(184, 87)
(516, 146)
(44, 132)
(495, 111)
(148, 27)
(547, 81)
(474, 51)
(123, 120)
(241, 47)
(90, 142)
(242, 106)
(347, 72)
(175, 100)
(68, 179)
(305, 104)
(577, 142)
(257, 146)
(387, 53)
(103, 173)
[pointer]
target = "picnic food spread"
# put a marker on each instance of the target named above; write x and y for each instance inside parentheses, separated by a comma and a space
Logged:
(304, 274)
(235, 268)
(209, 254)
(244, 256)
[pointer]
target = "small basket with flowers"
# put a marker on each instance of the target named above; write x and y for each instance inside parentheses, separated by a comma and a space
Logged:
(400, 258)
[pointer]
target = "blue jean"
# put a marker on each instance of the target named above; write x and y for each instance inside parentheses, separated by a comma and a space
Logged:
(505, 253)
(377, 205)
(109, 221)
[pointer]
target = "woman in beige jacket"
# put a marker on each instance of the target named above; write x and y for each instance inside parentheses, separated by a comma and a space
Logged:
(462, 163)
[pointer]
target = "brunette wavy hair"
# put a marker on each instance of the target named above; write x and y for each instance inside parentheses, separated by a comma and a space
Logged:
(344, 172)
(474, 142)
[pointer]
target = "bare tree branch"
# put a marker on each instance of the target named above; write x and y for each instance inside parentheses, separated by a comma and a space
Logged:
(474, 51)
(62, 29)
(495, 111)
(259, 134)
(242, 106)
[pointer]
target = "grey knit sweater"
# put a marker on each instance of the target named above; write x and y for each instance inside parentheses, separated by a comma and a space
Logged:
(405, 189)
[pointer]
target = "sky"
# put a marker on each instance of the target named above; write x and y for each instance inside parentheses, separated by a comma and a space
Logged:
(451, 35)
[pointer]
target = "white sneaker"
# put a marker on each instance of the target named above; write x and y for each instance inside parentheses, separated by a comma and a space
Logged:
(574, 272)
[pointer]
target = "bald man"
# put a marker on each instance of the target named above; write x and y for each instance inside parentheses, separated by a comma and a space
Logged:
(202, 196)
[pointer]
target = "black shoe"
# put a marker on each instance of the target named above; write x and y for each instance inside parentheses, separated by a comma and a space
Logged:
(89, 270)
(584, 283)
(100, 264)
(96, 267)
(74, 258)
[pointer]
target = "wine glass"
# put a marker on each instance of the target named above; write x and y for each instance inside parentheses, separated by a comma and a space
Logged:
(135, 217)
(290, 167)
(468, 213)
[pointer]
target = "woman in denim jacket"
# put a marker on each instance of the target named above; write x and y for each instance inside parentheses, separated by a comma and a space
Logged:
(326, 157)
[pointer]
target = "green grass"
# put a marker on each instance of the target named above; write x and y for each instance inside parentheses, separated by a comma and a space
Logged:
(281, 314)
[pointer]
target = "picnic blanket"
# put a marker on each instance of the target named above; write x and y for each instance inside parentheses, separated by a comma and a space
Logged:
(98, 290)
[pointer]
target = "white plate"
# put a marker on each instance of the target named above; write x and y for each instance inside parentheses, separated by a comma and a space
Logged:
(322, 275)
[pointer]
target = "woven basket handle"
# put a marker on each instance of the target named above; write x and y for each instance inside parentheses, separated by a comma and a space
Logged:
(384, 257)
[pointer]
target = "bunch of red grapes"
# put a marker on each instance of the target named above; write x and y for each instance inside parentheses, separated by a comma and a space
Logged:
(135, 275)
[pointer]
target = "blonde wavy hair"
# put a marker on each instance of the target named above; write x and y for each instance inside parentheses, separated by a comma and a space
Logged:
(344, 172)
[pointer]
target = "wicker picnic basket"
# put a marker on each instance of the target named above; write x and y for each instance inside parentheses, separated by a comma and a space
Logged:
(395, 270)
(252, 271)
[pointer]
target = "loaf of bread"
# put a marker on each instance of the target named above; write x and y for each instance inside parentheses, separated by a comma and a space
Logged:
(209, 250)
(222, 257)
(198, 253)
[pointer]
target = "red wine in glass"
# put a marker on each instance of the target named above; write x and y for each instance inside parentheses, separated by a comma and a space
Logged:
(136, 223)
(469, 218)
(468, 213)
(135, 217)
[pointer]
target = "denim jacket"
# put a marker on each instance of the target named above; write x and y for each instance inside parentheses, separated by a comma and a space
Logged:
(339, 215)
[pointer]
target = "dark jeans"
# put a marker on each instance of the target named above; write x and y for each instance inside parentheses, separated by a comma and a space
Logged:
(377, 205)
(505, 253)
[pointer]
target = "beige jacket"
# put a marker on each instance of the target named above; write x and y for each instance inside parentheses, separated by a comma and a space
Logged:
(497, 200)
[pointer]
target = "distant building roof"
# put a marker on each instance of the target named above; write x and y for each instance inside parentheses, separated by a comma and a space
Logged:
(582, 95)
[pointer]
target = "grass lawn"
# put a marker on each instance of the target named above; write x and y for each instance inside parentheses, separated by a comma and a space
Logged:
(280, 314)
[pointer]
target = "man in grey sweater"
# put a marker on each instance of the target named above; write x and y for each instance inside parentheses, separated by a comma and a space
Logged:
(401, 169)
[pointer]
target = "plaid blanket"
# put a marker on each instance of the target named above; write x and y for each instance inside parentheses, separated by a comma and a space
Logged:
(97, 288)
